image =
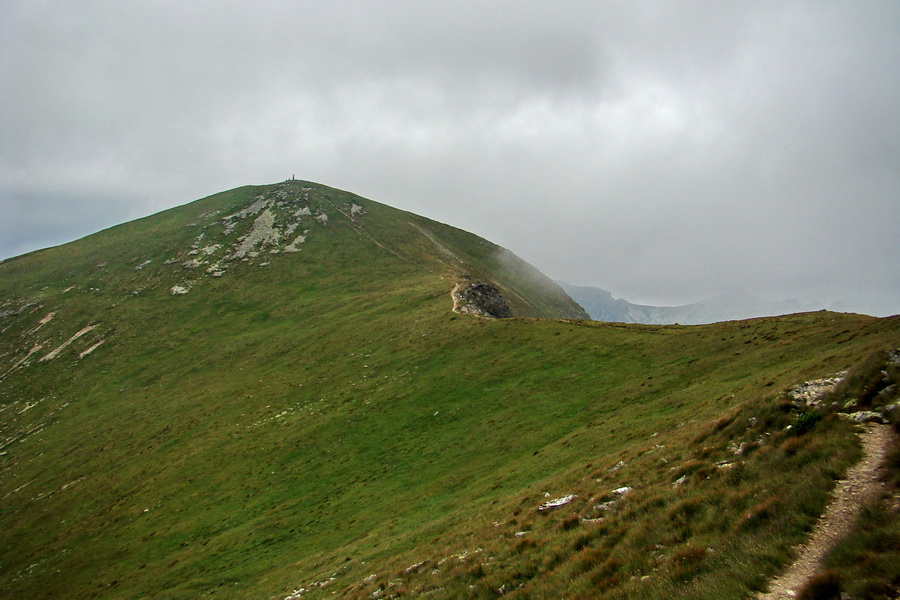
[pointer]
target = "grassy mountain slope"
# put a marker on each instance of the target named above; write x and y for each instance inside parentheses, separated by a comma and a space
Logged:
(319, 422)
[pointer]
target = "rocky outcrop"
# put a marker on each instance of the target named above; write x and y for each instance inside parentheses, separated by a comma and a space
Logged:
(811, 393)
(480, 298)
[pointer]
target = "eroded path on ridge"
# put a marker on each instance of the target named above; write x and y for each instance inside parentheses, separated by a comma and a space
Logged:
(860, 487)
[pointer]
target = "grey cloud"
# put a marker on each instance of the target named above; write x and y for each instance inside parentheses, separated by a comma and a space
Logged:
(665, 151)
(32, 221)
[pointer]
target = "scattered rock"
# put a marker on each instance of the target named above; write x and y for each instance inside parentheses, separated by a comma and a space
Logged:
(415, 568)
(864, 416)
(65, 344)
(616, 466)
(557, 502)
(810, 393)
(47, 318)
(274, 219)
(259, 203)
(292, 247)
(606, 505)
(894, 356)
(12, 310)
(91, 349)
(262, 234)
(745, 447)
(622, 491)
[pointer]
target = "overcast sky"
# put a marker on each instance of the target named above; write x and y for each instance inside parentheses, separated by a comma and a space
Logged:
(667, 152)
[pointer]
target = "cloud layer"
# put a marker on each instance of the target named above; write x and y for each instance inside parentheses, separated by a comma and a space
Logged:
(665, 152)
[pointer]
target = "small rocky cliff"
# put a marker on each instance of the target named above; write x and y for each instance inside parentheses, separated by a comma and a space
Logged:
(480, 298)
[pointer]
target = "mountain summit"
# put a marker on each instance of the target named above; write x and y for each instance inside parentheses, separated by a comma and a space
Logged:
(297, 226)
(289, 391)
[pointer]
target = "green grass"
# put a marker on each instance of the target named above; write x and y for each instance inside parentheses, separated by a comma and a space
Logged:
(327, 415)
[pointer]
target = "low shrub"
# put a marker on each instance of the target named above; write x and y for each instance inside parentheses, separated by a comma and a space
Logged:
(824, 586)
(805, 421)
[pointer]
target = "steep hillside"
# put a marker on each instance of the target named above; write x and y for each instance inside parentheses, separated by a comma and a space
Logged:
(267, 394)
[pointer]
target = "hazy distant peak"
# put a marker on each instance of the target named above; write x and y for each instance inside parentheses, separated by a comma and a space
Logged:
(732, 305)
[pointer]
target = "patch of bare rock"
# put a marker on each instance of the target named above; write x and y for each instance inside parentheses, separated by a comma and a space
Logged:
(272, 223)
(810, 393)
(481, 299)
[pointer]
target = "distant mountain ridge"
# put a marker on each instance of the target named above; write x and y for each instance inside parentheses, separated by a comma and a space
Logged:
(602, 306)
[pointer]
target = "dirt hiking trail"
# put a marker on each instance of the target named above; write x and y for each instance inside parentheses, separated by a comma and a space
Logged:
(860, 487)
